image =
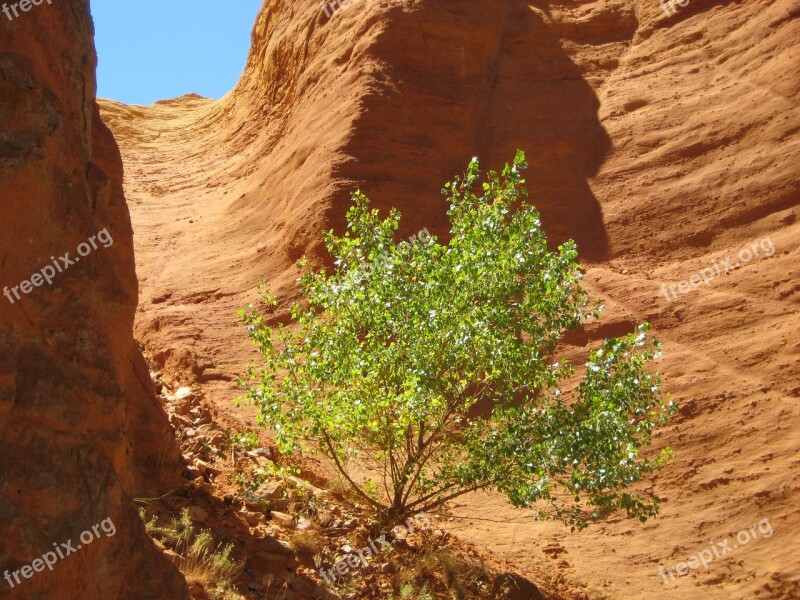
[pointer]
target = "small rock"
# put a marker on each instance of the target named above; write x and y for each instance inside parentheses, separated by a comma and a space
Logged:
(158, 384)
(206, 430)
(197, 514)
(251, 519)
(350, 523)
(347, 548)
(282, 519)
(303, 524)
(182, 408)
(183, 392)
(254, 504)
(179, 421)
(271, 490)
(189, 433)
(213, 471)
(319, 492)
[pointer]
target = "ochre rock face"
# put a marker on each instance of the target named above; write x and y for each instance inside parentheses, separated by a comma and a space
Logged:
(661, 143)
(81, 432)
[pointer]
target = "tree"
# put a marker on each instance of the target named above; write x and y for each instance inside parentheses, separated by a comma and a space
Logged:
(431, 366)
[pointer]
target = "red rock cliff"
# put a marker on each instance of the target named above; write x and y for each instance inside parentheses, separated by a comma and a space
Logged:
(81, 432)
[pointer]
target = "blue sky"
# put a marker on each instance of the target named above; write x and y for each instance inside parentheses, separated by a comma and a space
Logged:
(152, 50)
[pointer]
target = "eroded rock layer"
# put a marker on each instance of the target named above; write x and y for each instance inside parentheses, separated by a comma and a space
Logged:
(81, 432)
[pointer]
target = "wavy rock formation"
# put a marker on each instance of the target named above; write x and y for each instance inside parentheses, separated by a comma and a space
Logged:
(81, 432)
(663, 144)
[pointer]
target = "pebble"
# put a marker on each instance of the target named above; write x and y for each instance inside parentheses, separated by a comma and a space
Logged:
(197, 514)
(183, 392)
(282, 519)
(272, 490)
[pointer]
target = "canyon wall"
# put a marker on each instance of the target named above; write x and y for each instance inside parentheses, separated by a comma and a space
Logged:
(81, 432)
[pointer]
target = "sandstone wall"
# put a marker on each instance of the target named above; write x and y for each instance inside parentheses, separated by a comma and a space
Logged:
(81, 432)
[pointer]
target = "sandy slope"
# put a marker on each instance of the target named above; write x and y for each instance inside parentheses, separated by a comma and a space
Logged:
(661, 144)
